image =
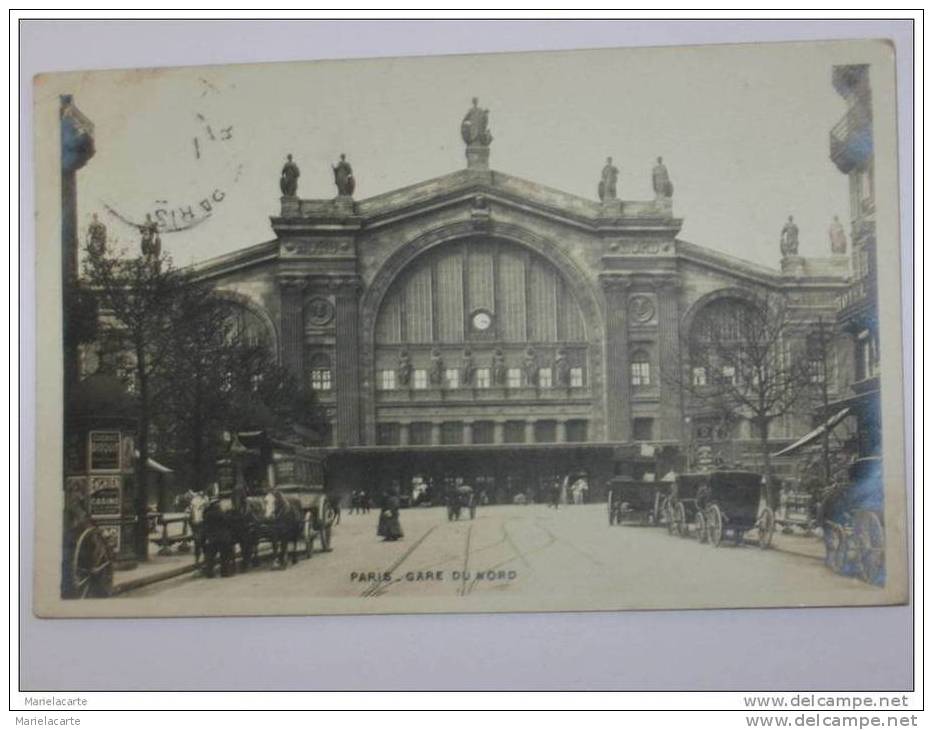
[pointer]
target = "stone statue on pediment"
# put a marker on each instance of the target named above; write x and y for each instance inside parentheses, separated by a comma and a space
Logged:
(475, 126)
(790, 237)
(661, 181)
(608, 181)
(288, 181)
(343, 177)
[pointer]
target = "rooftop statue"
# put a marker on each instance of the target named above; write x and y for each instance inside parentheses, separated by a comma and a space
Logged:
(837, 237)
(343, 177)
(475, 126)
(96, 235)
(608, 180)
(790, 237)
(288, 182)
(661, 181)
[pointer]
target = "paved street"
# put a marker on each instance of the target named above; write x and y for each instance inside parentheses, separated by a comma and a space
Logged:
(534, 551)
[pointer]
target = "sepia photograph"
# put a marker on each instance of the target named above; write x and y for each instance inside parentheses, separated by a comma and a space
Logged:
(556, 331)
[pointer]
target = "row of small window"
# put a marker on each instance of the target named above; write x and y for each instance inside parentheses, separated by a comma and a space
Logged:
(482, 378)
(726, 375)
(421, 433)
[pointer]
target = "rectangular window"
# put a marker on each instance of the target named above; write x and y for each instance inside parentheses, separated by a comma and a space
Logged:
(452, 432)
(452, 378)
(728, 375)
(420, 380)
(388, 434)
(514, 432)
(641, 373)
(386, 380)
(420, 433)
(642, 429)
(576, 430)
(576, 377)
(817, 371)
(255, 381)
(482, 378)
(321, 379)
(699, 376)
(544, 377)
(545, 432)
(483, 432)
(514, 377)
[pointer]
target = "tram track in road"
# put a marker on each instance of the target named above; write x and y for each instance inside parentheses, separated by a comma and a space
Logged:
(463, 590)
(379, 588)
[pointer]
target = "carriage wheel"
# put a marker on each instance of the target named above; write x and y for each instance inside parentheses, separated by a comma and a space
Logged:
(714, 522)
(667, 514)
(91, 566)
(765, 528)
(701, 527)
(680, 519)
(836, 547)
(869, 545)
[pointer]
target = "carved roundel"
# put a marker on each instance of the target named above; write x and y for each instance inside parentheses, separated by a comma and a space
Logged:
(319, 311)
(641, 308)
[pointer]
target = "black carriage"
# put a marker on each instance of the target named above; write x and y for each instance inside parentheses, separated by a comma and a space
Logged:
(459, 499)
(852, 517)
(636, 502)
(731, 502)
(684, 506)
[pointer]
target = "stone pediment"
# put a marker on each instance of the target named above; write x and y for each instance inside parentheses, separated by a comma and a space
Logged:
(464, 185)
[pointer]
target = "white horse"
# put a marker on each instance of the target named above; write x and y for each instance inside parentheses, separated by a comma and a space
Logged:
(197, 503)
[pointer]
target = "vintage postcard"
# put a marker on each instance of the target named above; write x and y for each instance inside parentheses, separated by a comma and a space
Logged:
(591, 330)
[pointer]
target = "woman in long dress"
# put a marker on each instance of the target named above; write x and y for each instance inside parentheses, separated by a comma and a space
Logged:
(390, 529)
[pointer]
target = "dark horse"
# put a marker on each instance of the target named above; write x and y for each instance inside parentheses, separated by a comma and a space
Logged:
(285, 520)
(247, 521)
(218, 540)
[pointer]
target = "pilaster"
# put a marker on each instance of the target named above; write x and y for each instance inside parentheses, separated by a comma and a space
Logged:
(618, 406)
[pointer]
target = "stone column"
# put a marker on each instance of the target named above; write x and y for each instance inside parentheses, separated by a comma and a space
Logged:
(468, 432)
(292, 293)
(435, 434)
(498, 432)
(561, 435)
(618, 402)
(347, 366)
(529, 432)
(670, 414)
(404, 433)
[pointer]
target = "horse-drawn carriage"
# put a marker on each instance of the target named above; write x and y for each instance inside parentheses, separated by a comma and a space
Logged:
(684, 508)
(268, 491)
(460, 498)
(728, 503)
(852, 517)
(642, 502)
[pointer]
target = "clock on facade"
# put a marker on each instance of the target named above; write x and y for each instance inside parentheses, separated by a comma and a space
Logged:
(481, 320)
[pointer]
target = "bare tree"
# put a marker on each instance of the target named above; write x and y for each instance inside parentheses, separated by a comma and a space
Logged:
(743, 361)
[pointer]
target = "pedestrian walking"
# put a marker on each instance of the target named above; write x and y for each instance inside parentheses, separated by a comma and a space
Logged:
(390, 529)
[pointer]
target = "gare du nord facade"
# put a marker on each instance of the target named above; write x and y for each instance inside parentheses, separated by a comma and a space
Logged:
(482, 327)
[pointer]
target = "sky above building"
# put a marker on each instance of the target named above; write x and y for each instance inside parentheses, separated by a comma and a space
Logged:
(743, 130)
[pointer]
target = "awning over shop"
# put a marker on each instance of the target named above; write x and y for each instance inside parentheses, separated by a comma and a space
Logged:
(815, 433)
(154, 465)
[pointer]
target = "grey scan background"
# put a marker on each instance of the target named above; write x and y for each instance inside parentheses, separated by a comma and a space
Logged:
(763, 649)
